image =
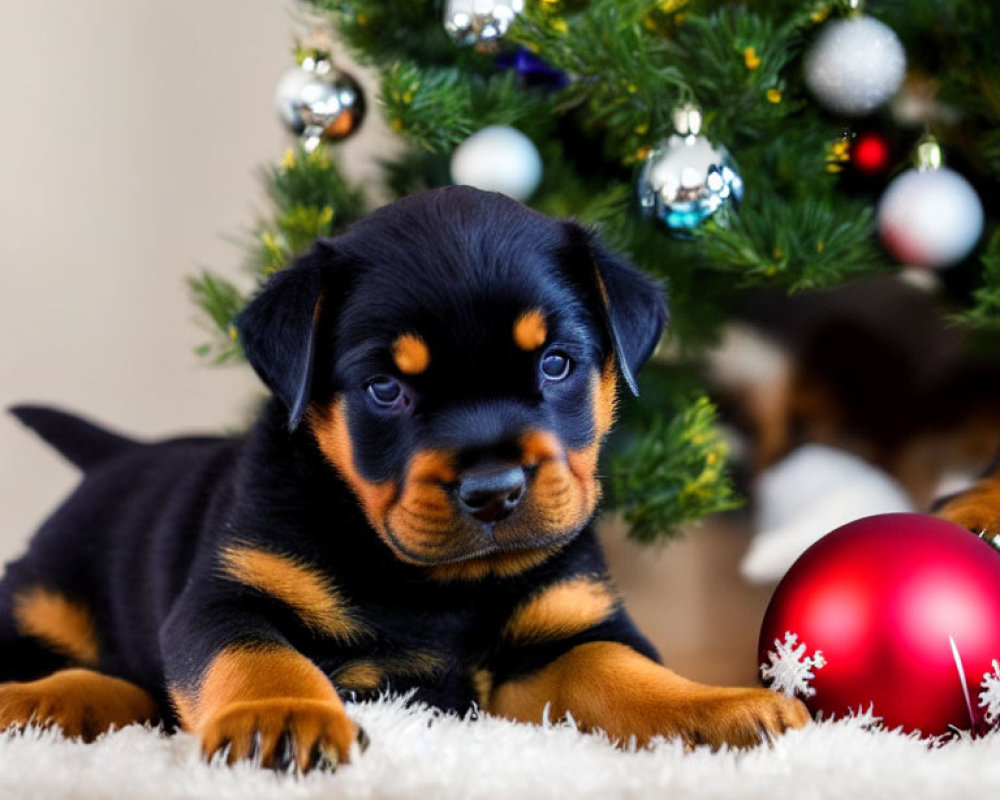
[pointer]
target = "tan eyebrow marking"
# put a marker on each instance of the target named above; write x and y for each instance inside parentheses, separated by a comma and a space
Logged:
(411, 354)
(530, 329)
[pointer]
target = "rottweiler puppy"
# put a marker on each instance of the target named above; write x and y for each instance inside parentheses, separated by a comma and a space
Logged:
(413, 510)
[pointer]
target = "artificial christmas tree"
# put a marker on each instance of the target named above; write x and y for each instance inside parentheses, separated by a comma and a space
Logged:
(596, 86)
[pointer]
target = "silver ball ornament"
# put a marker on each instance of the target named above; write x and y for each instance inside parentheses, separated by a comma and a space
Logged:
(319, 102)
(477, 22)
(855, 65)
(685, 180)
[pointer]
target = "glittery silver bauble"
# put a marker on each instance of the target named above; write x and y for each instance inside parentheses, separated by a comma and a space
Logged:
(479, 21)
(855, 65)
(685, 180)
(319, 102)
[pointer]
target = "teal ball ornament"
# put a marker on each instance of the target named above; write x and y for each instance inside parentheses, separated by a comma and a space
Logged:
(685, 180)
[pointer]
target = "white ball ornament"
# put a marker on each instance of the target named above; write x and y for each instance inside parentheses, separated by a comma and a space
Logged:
(855, 65)
(930, 217)
(498, 158)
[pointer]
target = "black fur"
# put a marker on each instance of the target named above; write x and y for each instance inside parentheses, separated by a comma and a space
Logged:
(82, 443)
(138, 542)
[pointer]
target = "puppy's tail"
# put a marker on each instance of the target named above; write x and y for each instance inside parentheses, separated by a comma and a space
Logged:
(81, 442)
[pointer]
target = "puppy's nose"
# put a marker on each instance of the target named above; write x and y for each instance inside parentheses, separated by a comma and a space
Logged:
(491, 496)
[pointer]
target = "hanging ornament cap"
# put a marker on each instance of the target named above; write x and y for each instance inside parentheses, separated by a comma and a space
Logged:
(928, 154)
(318, 65)
(687, 120)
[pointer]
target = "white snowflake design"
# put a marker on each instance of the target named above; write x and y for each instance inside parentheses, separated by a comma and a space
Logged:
(790, 669)
(989, 697)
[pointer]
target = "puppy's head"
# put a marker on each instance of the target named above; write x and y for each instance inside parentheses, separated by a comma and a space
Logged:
(456, 356)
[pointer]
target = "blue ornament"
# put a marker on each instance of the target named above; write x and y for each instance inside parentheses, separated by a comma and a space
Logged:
(534, 71)
(685, 180)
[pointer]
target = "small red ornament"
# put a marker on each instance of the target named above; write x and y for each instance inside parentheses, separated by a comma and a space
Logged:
(870, 153)
(896, 613)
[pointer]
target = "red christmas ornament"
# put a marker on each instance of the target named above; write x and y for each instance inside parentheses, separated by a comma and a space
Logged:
(899, 613)
(870, 153)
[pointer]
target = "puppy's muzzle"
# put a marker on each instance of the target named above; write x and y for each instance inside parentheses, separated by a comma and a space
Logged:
(491, 494)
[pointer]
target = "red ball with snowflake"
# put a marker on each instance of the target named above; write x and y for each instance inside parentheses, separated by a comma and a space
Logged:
(897, 615)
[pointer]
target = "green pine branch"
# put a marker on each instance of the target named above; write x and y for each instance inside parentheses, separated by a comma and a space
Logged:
(673, 475)
(622, 85)
(382, 31)
(219, 302)
(436, 108)
(311, 199)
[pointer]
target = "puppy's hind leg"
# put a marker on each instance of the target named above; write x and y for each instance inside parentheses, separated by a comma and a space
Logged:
(80, 702)
(42, 644)
(23, 657)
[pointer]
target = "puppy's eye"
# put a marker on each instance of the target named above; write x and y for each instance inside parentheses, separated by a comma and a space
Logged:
(386, 392)
(555, 365)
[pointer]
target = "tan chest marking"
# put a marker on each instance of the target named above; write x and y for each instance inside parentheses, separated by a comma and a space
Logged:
(303, 588)
(561, 610)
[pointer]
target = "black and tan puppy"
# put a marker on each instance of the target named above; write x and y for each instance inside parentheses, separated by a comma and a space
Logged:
(412, 510)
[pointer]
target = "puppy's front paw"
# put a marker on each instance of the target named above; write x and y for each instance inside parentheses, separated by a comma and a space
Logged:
(280, 732)
(975, 511)
(736, 717)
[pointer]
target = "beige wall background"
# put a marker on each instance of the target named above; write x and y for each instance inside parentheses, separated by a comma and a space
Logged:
(130, 138)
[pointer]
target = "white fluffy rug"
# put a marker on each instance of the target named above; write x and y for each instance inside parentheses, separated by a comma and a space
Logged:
(417, 754)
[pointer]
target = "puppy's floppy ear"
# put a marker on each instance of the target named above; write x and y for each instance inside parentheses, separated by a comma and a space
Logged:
(278, 328)
(630, 304)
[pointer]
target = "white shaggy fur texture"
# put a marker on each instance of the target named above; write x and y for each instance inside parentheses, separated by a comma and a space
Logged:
(416, 753)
